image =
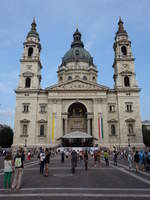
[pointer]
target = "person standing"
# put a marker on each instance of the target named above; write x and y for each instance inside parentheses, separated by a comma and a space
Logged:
(42, 159)
(73, 160)
(106, 158)
(86, 160)
(136, 160)
(47, 160)
(8, 168)
(18, 162)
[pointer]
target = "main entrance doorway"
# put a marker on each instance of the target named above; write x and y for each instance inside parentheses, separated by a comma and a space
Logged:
(76, 135)
(77, 118)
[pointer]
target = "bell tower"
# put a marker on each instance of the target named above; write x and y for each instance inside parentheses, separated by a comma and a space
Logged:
(124, 73)
(30, 75)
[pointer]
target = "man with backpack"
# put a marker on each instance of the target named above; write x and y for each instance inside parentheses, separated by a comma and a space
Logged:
(18, 162)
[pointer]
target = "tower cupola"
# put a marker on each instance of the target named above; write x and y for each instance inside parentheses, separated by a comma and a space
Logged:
(77, 40)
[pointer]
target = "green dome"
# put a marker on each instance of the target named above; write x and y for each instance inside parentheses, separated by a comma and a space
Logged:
(77, 51)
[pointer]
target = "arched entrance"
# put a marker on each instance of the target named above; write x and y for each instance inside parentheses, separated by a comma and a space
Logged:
(77, 133)
(77, 118)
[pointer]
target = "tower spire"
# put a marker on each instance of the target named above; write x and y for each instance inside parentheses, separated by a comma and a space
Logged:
(33, 31)
(33, 25)
(121, 29)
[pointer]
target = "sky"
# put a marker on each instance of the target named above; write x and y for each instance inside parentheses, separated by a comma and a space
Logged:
(57, 20)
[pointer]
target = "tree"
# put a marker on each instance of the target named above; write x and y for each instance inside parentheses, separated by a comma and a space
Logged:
(146, 136)
(6, 136)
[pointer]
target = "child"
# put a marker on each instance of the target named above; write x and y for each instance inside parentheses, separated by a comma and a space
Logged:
(8, 168)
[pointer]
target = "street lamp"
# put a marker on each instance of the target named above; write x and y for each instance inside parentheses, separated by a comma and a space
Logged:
(129, 143)
(25, 143)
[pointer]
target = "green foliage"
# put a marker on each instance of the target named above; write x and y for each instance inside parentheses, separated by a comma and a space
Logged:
(146, 136)
(6, 137)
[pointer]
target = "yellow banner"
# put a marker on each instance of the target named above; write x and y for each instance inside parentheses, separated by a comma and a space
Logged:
(53, 127)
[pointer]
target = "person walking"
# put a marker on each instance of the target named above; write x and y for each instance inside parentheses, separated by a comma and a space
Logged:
(73, 160)
(86, 160)
(29, 155)
(42, 159)
(47, 161)
(106, 158)
(99, 157)
(8, 168)
(115, 154)
(130, 160)
(136, 160)
(18, 162)
(81, 157)
(141, 159)
(95, 157)
(62, 157)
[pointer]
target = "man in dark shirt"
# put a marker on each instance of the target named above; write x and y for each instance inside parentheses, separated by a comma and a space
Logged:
(73, 160)
(47, 160)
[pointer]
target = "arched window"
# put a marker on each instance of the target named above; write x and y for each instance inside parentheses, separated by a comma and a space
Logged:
(93, 78)
(42, 130)
(130, 129)
(124, 50)
(69, 77)
(77, 52)
(30, 51)
(84, 78)
(126, 81)
(27, 82)
(60, 78)
(113, 130)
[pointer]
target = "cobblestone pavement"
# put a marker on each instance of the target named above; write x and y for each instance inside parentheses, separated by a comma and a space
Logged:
(113, 182)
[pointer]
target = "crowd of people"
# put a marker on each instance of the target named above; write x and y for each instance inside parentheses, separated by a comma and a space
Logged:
(14, 165)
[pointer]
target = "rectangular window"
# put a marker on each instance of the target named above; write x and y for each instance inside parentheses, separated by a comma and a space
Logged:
(111, 108)
(25, 108)
(129, 108)
(42, 108)
(24, 129)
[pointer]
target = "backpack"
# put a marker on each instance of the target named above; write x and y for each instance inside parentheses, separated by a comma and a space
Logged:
(18, 162)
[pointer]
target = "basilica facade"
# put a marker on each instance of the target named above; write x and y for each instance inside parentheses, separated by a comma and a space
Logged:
(77, 109)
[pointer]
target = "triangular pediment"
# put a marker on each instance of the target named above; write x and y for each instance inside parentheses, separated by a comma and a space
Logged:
(28, 74)
(126, 72)
(77, 84)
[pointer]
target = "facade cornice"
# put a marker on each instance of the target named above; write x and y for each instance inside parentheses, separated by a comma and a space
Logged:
(128, 89)
(78, 87)
(30, 91)
(26, 59)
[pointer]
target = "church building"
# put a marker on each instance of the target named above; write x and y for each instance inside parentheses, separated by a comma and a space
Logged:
(77, 110)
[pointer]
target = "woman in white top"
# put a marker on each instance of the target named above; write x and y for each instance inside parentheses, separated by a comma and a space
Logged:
(8, 168)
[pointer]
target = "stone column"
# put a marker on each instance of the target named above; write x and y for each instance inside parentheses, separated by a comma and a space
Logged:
(66, 125)
(88, 126)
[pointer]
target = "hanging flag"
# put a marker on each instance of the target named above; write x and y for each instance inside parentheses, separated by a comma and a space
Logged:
(53, 126)
(100, 127)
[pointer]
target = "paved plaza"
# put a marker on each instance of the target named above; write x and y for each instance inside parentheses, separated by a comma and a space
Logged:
(113, 182)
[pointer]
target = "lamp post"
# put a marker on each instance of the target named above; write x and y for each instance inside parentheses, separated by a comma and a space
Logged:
(129, 142)
(25, 143)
